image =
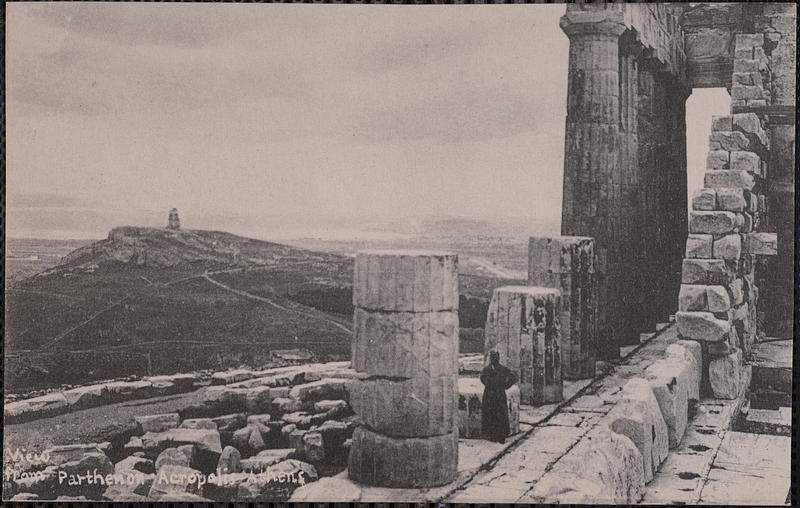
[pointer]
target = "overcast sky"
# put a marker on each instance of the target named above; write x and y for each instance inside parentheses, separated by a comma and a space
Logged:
(261, 109)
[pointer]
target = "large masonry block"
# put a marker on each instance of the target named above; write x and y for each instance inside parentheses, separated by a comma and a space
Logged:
(523, 326)
(732, 200)
(745, 161)
(690, 353)
(702, 326)
(699, 246)
(706, 271)
(638, 416)
(717, 223)
(726, 178)
(724, 375)
(669, 379)
(704, 200)
(717, 159)
(728, 247)
(730, 141)
(566, 263)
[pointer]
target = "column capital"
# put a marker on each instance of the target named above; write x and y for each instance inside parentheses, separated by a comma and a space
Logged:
(595, 22)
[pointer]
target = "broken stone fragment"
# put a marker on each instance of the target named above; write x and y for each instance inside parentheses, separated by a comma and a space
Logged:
(638, 416)
(325, 389)
(172, 481)
(258, 399)
(198, 423)
(269, 487)
(699, 246)
(135, 464)
(229, 460)
(702, 326)
(230, 422)
(171, 457)
(724, 375)
(157, 423)
(265, 458)
(248, 440)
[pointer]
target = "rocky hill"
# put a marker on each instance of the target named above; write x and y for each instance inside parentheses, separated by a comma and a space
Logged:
(163, 301)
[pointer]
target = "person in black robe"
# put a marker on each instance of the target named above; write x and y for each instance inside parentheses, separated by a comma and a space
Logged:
(496, 380)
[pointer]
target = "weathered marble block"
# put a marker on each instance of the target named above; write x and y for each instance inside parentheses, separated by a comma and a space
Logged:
(566, 263)
(470, 404)
(523, 326)
(384, 461)
(411, 281)
(405, 344)
(669, 379)
(417, 407)
(638, 416)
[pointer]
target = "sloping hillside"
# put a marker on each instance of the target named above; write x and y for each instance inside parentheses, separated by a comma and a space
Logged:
(163, 301)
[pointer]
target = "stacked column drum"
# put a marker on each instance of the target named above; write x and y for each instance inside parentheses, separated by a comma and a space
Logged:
(566, 263)
(405, 345)
(523, 326)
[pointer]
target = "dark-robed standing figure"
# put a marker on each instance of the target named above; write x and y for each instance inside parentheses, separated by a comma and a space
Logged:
(496, 380)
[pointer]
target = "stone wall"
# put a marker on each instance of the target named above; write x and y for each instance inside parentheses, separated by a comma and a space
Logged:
(718, 295)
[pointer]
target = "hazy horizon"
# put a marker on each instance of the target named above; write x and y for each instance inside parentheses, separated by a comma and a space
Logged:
(240, 113)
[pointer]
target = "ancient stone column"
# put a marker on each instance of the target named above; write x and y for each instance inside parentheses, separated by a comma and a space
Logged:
(405, 345)
(566, 263)
(523, 326)
(631, 248)
(592, 186)
(647, 142)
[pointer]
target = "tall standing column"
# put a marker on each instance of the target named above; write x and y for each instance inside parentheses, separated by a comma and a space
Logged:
(632, 249)
(592, 193)
(646, 127)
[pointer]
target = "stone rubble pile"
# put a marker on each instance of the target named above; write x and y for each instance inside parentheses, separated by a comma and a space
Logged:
(74, 399)
(261, 443)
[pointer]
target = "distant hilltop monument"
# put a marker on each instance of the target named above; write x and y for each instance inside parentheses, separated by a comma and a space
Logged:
(174, 222)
